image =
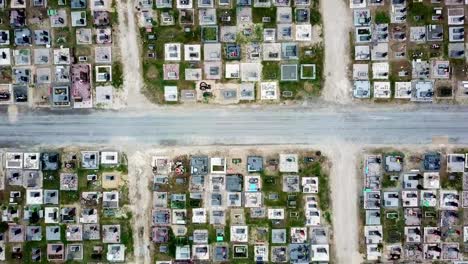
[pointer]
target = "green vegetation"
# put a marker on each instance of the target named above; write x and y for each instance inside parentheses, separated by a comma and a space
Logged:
(270, 70)
(126, 234)
(315, 17)
(51, 180)
(419, 13)
(65, 36)
(430, 217)
(272, 185)
(255, 34)
(153, 67)
(419, 51)
(117, 74)
(5, 16)
(210, 33)
(231, 13)
(69, 197)
(381, 17)
(303, 88)
(53, 4)
(29, 245)
(387, 182)
(5, 74)
(88, 251)
(315, 169)
(153, 50)
(393, 225)
(259, 13)
(81, 50)
(3, 227)
(152, 73)
(452, 181)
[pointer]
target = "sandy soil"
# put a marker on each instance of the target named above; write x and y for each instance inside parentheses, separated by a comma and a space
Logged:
(130, 50)
(140, 201)
(337, 24)
(344, 185)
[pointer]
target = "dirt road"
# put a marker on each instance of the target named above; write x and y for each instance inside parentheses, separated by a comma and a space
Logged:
(131, 59)
(337, 24)
(140, 201)
(344, 185)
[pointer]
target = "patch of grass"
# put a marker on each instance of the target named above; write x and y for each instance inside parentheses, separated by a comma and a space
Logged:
(153, 68)
(316, 56)
(315, 17)
(69, 197)
(420, 51)
(83, 184)
(122, 167)
(393, 229)
(154, 83)
(452, 181)
(114, 18)
(381, 17)
(315, 169)
(210, 33)
(226, 12)
(29, 245)
(126, 235)
(4, 15)
(259, 13)
(328, 217)
(256, 34)
(272, 184)
(82, 51)
(300, 220)
(387, 182)
(53, 4)
(51, 179)
(117, 75)
(64, 37)
(428, 221)
(419, 13)
(294, 87)
(88, 251)
(5, 74)
(308, 72)
(194, 36)
(172, 243)
(270, 70)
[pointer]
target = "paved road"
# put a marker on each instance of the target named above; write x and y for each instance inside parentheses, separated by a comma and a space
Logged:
(283, 125)
(321, 125)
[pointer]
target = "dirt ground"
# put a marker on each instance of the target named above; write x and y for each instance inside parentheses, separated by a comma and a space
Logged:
(129, 45)
(140, 175)
(344, 188)
(337, 24)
